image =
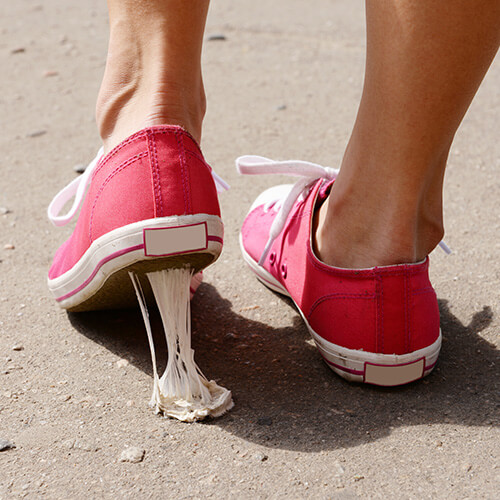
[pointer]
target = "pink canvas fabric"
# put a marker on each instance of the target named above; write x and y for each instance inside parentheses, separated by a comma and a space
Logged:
(386, 310)
(157, 172)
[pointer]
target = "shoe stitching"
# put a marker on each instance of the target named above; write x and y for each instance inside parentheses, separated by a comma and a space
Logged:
(136, 137)
(362, 273)
(187, 174)
(334, 296)
(406, 281)
(155, 173)
(197, 156)
(182, 159)
(421, 291)
(123, 166)
(180, 131)
(379, 330)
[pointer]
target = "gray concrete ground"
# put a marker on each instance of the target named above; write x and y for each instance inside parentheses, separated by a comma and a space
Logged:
(285, 84)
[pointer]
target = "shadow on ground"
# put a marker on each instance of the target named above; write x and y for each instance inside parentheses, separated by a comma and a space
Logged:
(286, 397)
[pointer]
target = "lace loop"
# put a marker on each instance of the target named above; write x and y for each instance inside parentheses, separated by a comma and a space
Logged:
(76, 188)
(220, 183)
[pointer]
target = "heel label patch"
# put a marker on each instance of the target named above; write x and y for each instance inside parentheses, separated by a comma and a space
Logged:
(163, 241)
(388, 375)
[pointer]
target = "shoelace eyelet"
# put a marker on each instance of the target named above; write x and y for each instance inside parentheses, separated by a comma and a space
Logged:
(272, 258)
(283, 270)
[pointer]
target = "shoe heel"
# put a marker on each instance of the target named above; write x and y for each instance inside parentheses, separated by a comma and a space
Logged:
(182, 392)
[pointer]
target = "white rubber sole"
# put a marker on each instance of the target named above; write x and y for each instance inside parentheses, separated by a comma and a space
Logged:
(147, 246)
(357, 365)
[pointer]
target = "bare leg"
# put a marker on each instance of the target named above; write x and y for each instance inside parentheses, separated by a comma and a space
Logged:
(153, 71)
(425, 61)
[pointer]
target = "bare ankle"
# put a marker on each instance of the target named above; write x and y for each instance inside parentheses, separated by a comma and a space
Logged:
(352, 236)
(153, 71)
(139, 91)
(122, 110)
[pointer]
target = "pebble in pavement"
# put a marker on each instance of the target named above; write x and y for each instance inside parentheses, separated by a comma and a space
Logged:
(219, 37)
(80, 168)
(36, 133)
(6, 445)
(260, 457)
(132, 454)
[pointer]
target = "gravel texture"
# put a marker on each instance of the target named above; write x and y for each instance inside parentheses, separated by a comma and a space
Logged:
(284, 83)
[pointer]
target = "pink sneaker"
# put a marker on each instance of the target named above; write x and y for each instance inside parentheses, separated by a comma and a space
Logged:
(151, 204)
(378, 325)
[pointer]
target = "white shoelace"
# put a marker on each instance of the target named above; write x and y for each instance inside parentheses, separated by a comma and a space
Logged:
(310, 173)
(77, 188)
